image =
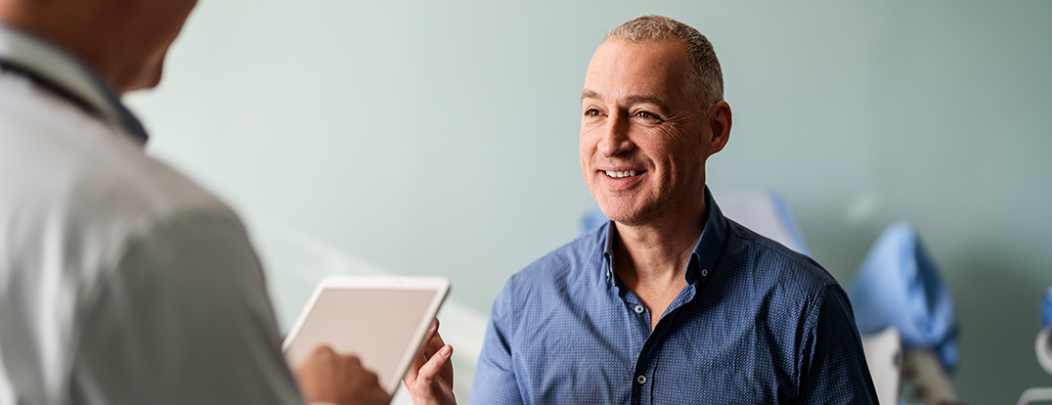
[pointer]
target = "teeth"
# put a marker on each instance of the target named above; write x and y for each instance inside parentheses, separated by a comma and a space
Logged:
(623, 174)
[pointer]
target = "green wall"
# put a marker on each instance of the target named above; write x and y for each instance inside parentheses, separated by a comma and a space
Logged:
(433, 137)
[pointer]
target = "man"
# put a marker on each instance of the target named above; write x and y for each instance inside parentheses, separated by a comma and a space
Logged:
(669, 302)
(122, 282)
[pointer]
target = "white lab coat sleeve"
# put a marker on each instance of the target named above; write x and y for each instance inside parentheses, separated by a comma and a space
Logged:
(184, 318)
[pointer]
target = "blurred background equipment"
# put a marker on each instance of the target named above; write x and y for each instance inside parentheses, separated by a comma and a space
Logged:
(1044, 339)
(898, 285)
(1043, 348)
(884, 358)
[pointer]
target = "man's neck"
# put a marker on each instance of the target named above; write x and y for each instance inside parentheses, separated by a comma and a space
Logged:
(652, 258)
(658, 251)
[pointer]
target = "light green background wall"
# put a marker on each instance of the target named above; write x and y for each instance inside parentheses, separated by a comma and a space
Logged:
(440, 137)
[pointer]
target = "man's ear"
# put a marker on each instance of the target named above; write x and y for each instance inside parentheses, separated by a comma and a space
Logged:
(720, 126)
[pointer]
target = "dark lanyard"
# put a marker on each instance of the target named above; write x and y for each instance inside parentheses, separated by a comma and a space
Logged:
(51, 86)
(131, 124)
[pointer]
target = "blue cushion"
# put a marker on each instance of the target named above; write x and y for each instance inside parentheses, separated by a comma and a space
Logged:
(1046, 309)
(899, 285)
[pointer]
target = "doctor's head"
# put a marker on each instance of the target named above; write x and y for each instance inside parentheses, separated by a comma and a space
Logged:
(652, 114)
(125, 41)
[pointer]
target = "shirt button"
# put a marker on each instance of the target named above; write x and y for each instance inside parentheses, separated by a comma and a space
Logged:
(704, 272)
(639, 310)
(642, 379)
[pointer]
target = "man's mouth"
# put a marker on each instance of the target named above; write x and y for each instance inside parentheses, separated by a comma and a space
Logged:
(623, 174)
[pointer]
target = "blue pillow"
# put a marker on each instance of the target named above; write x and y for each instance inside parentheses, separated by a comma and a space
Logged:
(1046, 309)
(899, 285)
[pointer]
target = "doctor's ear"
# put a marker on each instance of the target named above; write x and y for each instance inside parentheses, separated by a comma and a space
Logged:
(720, 126)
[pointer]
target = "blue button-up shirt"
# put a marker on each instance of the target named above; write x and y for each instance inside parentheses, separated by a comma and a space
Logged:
(756, 324)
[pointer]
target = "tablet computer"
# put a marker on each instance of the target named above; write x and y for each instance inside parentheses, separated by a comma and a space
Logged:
(381, 319)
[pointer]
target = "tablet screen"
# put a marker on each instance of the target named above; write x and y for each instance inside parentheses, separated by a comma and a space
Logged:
(374, 324)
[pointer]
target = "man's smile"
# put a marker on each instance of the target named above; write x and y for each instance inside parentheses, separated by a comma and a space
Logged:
(623, 174)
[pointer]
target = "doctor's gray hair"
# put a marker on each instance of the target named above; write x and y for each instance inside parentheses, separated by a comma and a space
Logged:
(705, 79)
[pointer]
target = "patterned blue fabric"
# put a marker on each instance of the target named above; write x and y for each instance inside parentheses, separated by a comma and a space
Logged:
(756, 324)
(898, 284)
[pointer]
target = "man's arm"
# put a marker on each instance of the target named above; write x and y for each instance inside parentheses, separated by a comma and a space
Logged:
(183, 318)
(834, 369)
(495, 381)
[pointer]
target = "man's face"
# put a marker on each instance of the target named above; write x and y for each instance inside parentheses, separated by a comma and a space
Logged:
(643, 141)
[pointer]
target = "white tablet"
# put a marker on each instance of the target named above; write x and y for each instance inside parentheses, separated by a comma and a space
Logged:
(380, 319)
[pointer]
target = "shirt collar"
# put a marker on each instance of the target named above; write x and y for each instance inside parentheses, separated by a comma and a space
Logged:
(63, 70)
(706, 253)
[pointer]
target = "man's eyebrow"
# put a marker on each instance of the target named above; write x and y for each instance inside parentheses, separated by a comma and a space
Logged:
(651, 99)
(660, 102)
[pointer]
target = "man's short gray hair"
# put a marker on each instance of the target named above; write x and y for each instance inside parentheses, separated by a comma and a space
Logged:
(705, 79)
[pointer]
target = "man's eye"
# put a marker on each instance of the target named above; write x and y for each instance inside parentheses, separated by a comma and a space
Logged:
(647, 116)
(591, 112)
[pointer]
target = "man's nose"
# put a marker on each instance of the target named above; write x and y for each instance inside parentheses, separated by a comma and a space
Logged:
(615, 139)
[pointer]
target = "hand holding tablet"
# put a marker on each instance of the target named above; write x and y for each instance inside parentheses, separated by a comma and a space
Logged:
(383, 321)
(430, 378)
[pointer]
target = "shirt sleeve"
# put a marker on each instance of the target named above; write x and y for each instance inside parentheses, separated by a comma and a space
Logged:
(495, 381)
(184, 318)
(834, 369)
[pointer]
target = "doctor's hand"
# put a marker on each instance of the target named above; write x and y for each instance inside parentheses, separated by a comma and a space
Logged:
(430, 378)
(329, 377)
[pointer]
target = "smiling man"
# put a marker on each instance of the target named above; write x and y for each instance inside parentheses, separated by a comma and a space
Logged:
(670, 302)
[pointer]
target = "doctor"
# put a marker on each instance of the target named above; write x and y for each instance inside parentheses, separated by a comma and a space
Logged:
(121, 281)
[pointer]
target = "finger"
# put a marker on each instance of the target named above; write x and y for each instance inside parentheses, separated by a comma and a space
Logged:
(437, 338)
(429, 347)
(321, 354)
(380, 396)
(421, 358)
(353, 360)
(438, 335)
(428, 372)
(323, 349)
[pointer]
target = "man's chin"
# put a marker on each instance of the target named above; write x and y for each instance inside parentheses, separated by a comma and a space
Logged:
(624, 215)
